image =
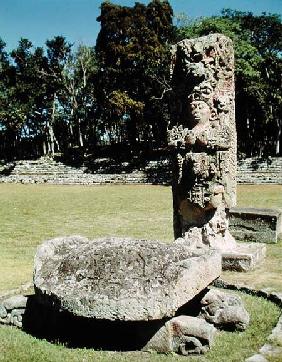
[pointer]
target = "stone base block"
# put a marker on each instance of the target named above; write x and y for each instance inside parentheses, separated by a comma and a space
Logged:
(244, 257)
(255, 225)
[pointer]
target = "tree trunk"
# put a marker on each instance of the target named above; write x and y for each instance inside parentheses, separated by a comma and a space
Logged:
(80, 137)
(278, 138)
(52, 141)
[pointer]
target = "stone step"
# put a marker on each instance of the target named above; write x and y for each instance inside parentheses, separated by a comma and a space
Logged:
(251, 171)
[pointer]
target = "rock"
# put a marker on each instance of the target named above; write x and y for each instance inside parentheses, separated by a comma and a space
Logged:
(16, 301)
(202, 136)
(6, 320)
(224, 310)
(121, 279)
(271, 351)
(3, 311)
(256, 358)
(244, 257)
(184, 335)
(276, 334)
(17, 317)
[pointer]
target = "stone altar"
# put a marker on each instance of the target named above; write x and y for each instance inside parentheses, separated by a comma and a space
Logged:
(121, 278)
(202, 137)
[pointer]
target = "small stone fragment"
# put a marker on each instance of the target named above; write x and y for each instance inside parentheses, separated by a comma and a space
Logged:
(276, 335)
(17, 317)
(6, 320)
(183, 335)
(256, 358)
(271, 351)
(16, 301)
(224, 310)
(3, 311)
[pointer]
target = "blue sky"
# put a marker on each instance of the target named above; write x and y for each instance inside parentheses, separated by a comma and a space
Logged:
(39, 20)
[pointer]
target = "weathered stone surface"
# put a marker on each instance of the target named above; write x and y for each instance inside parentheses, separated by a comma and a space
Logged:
(256, 358)
(184, 335)
(271, 351)
(224, 310)
(3, 311)
(15, 302)
(17, 317)
(276, 334)
(244, 257)
(202, 136)
(12, 309)
(256, 225)
(121, 279)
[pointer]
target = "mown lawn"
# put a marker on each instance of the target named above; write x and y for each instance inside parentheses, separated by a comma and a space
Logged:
(32, 213)
(18, 346)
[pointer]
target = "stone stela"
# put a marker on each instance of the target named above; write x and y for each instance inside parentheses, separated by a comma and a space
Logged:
(202, 139)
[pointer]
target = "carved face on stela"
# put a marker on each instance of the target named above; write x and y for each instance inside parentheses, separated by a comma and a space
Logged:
(200, 104)
(200, 112)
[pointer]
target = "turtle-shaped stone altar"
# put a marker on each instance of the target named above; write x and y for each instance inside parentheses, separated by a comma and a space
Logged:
(127, 280)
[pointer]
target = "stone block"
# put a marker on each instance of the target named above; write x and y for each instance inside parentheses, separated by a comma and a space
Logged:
(245, 257)
(15, 302)
(255, 225)
(121, 279)
(271, 351)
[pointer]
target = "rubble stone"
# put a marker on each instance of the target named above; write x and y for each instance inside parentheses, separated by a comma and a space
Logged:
(225, 311)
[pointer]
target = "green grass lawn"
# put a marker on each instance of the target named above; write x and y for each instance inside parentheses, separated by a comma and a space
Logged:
(16, 345)
(33, 213)
(30, 214)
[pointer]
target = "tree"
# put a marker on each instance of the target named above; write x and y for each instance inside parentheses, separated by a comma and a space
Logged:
(265, 33)
(58, 50)
(79, 104)
(8, 118)
(132, 51)
(16, 96)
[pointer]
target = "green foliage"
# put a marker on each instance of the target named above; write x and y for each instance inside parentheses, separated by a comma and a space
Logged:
(46, 98)
(123, 104)
(133, 54)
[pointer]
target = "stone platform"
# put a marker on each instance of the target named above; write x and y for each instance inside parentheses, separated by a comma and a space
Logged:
(255, 225)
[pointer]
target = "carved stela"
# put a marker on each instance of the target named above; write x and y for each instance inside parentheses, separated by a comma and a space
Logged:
(202, 136)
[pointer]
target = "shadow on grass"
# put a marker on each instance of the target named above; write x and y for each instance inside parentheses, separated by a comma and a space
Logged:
(80, 332)
(73, 331)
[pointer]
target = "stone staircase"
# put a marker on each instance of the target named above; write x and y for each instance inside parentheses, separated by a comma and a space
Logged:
(258, 171)
(46, 170)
